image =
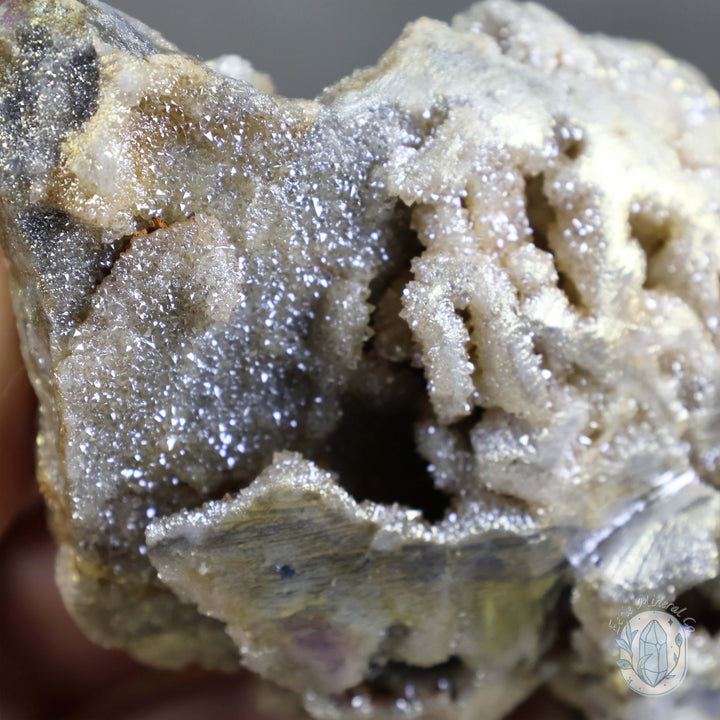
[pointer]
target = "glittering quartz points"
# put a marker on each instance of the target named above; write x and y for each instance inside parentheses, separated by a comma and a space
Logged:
(395, 397)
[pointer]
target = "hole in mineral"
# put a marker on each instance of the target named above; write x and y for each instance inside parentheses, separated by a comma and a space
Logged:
(372, 449)
(405, 246)
(401, 685)
(463, 428)
(571, 140)
(574, 149)
(653, 232)
(466, 317)
(541, 216)
(380, 461)
(540, 212)
(543, 704)
(700, 611)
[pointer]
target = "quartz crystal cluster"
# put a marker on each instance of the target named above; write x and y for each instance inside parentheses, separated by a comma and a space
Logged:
(396, 397)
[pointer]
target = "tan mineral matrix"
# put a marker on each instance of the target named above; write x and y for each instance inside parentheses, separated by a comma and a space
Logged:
(397, 397)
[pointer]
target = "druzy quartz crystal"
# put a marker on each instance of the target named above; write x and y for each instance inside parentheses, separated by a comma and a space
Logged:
(395, 397)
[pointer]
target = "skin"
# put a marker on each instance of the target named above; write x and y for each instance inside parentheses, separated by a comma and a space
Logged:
(48, 669)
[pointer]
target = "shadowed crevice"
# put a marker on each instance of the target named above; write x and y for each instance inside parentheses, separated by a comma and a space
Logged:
(399, 684)
(541, 216)
(373, 451)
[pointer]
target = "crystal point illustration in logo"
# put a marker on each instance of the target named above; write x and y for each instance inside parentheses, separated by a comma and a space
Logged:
(653, 653)
(653, 650)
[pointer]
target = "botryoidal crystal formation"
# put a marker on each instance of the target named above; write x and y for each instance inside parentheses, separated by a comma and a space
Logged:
(396, 397)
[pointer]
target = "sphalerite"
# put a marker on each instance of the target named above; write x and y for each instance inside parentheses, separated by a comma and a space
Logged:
(395, 397)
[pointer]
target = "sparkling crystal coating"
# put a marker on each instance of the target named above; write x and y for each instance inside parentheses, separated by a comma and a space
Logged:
(369, 392)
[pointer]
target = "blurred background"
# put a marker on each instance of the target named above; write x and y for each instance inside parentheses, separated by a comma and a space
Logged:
(306, 45)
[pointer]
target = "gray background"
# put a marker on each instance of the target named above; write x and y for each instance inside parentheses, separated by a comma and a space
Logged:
(308, 44)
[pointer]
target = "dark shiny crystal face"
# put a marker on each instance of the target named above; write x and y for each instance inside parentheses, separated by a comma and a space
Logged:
(396, 396)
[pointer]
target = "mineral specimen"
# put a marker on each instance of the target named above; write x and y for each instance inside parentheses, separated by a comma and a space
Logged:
(383, 395)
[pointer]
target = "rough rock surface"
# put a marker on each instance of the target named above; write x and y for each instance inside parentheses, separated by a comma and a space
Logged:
(387, 395)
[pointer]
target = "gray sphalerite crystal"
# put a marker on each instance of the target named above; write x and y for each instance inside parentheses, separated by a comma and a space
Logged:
(395, 397)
